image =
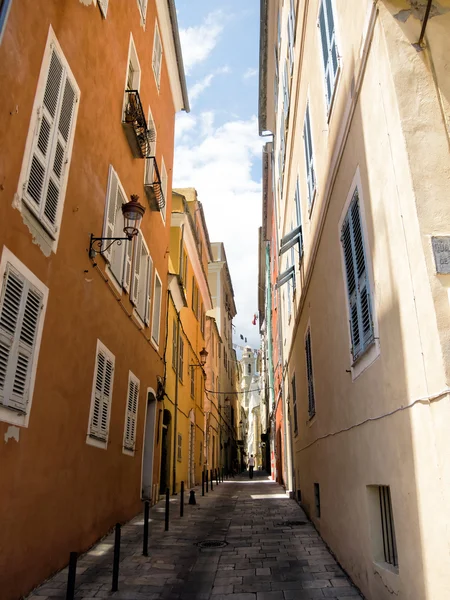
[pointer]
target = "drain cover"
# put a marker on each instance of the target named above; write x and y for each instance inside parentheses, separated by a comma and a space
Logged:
(291, 523)
(212, 544)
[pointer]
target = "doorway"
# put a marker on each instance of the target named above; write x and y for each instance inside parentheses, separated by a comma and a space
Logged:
(149, 447)
(165, 452)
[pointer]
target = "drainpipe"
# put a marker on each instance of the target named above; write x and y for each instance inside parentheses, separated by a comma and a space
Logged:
(175, 418)
(425, 21)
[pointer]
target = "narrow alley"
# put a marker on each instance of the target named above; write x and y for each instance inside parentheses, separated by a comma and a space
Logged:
(271, 552)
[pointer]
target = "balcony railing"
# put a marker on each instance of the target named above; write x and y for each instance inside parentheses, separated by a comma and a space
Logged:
(152, 184)
(139, 136)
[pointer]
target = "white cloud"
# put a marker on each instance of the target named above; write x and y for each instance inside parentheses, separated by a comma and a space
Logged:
(218, 163)
(185, 123)
(198, 42)
(249, 73)
(200, 86)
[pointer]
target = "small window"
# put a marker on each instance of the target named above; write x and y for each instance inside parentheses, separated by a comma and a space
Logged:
(249, 369)
(317, 499)
(157, 56)
(156, 320)
(22, 301)
(103, 5)
(101, 396)
(179, 447)
(174, 344)
(142, 4)
(5, 5)
(153, 136)
(164, 188)
(329, 48)
(294, 405)
(358, 289)
(310, 375)
(309, 158)
(142, 279)
(384, 544)
(192, 382)
(52, 129)
(134, 68)
(129, 436)
(181, 360)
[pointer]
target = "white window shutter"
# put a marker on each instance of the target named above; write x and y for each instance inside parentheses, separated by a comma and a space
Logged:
(117, 262)
(104, 368)
(111, 209)
(127, 266)
(20, 310)
(103, 4)
(148, 290)
(131, 414)
(134, 296)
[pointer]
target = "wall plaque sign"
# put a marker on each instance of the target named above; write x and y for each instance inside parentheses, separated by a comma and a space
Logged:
(441, 250)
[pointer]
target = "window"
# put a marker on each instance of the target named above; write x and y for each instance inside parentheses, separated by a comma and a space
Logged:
(129, 436)
(157, 56)
(133, 81)
(249, 369)
(174, 344)
(164, 188)
(298, 213)
(101, 396)
(118, 257)
(156, 319)
(143, 9)
(142, 279)
(5, 5)
(294, 405)
(309, 158)
(184, 267)
(358, 291)
(46, 166)
(179, 447)
(192, 382)
(382, 530)
(103, 5)
(153, 135)
(22, 305)
(181, 360)
(329, 48)
(317, 499)
(309, 375)
(291, 35)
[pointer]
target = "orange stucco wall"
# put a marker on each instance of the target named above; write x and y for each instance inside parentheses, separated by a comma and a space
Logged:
(60, 494)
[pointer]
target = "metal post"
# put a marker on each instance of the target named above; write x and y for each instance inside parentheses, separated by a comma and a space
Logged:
(217, 476)
(166, 527)
(182, 499)
(70, 594)
(115, 577)
(146, 516)
(211, 480)
(203, 483)
(207, 481)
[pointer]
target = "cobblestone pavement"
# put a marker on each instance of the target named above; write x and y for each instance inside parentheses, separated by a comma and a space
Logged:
(264, 559)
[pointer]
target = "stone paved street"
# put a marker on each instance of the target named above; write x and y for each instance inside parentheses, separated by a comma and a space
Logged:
(264, 559)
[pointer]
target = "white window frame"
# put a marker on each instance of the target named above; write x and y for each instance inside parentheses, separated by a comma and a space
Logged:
(152, 126)
(9, 415)
(158, 69)
(103, 5)
(91, 440)
(131, 412)
(125, 249)
(47, 235)
(134, 59)
(308, 145)
(372, 353)
(142, 6)
(141, 283)
(331, 40)
(164, 189)
(156, 308)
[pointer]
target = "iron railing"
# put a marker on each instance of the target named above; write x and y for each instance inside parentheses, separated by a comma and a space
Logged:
(152, 185)
(139, 136)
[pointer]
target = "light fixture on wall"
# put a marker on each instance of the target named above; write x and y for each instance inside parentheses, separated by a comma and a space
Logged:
(132, 212)
(203, 356)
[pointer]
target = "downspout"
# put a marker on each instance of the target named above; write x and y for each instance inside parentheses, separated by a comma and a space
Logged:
(269, 327)
(425, 21)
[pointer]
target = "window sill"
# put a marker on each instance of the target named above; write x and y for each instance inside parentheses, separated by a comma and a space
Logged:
(92, 441)
(365, 359)
(386, 567)
(127, 451)
(311, 420)
(13, 417)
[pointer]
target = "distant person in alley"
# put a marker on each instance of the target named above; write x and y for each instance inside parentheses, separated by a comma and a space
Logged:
(251, 465)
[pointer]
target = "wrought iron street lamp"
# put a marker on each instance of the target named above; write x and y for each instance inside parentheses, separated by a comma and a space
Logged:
(132, 212)
(203, 356)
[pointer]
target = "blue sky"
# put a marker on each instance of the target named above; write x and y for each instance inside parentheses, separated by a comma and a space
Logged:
(217, 148)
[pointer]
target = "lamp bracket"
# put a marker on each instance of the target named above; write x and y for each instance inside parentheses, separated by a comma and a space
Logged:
(96, 244)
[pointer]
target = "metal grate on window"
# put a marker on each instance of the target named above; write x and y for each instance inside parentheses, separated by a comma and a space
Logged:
(387, 526)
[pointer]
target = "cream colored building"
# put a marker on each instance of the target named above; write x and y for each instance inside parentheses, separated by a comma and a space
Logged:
(361, 180)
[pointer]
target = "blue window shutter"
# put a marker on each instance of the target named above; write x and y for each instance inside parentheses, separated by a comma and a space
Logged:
(358, 290)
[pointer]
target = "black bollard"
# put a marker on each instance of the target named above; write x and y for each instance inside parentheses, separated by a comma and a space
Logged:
(222, 474)
(146, 516)
(192, 497)
(70, 594)
(166, 527)
(203, 483)
(206, 480)
(217, 476)
(211, 480)
(115, 577)
(182, 499)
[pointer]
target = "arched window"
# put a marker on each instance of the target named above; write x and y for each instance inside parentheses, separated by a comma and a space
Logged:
(249, 369)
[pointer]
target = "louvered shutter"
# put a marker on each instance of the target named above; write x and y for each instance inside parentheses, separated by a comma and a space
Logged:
(128, 252)
(20, 310)
(329, 47)
(111, 210)
(117, 262)
(48, 165)
(136, 270)
(309, 376)
(148, 290)
(157, 55)
(131, 415)
(103, 4)
(361, 326)
(104, 369)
